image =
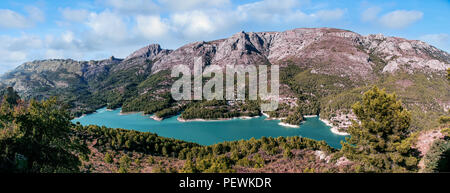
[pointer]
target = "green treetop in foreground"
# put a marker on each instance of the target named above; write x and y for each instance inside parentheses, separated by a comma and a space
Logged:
(35, 137)
(10, 96)
(379, 142)
(448, 73)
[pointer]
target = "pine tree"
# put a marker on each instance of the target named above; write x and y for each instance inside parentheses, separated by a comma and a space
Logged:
(287, 153)
(40, 133)
(150, 160)
(124, 162)
(189, 167)
(448, 74)
(379, 142)
(11, 96)
(108, 158)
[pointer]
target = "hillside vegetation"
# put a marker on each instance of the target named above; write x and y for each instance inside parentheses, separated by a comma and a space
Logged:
(323, 71)
(39, 137)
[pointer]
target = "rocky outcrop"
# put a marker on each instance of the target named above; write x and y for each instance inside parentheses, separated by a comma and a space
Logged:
(151, 52)
(185, 55)
(405, 54)
(323, 50)
(141, 60)
(97, 69)
(56, 73)
(326, 50)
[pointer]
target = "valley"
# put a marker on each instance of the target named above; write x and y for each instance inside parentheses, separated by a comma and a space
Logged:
(212, 132)
(326, 84)
(337, 75)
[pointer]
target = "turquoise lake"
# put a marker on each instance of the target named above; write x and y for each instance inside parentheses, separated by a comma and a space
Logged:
(211, 132)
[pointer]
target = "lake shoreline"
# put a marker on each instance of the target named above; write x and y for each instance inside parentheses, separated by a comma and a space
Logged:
(333, 128)
(213, 120)
(288, 125)
(156, 118)
(82, 116)
(131, 112)
(269, 118)
(208, 132)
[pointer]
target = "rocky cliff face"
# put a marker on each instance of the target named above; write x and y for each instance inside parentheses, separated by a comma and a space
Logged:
(336, 66)
(152, 52)
(55, 73)
(96, 69)
(406, 54)
(324, 50)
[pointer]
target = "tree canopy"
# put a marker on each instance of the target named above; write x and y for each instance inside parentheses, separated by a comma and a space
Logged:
(379, 139)
(10, 96)
(36, 137)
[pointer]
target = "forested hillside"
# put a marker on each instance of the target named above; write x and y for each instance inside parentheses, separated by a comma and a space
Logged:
(39, 137)
(324, 84)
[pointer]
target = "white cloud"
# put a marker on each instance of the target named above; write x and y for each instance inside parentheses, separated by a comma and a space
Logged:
(118, 27)
(329, 15)
(68, 37)
(74, 15)
(151, 26)
(15, 50)
(194, 24)
(184, 5)
(12, 56)
(266, 10)
(134, 6)
(285, 11)
(107, 26)
(441, 41)
(400, 18)
(35, 14)
(436, 37)
(64, 41)
(297, 17)
(54, 54)
(370, 14)
(12, 19)
(11, 59)
(21, 43)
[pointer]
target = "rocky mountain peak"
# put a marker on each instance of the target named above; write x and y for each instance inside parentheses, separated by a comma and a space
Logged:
(327, 50)
(400, 53)
(112, 58)
(151, 52)
(323, 50)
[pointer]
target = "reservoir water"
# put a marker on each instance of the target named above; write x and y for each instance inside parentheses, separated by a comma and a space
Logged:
(211, 132)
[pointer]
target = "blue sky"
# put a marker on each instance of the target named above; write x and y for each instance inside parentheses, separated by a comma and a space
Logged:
(97, 29)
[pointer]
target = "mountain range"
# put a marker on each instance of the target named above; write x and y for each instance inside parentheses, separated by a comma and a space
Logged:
(323, 71)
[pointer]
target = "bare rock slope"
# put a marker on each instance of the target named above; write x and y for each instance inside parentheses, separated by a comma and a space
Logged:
(323, 50)
(329, 51)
